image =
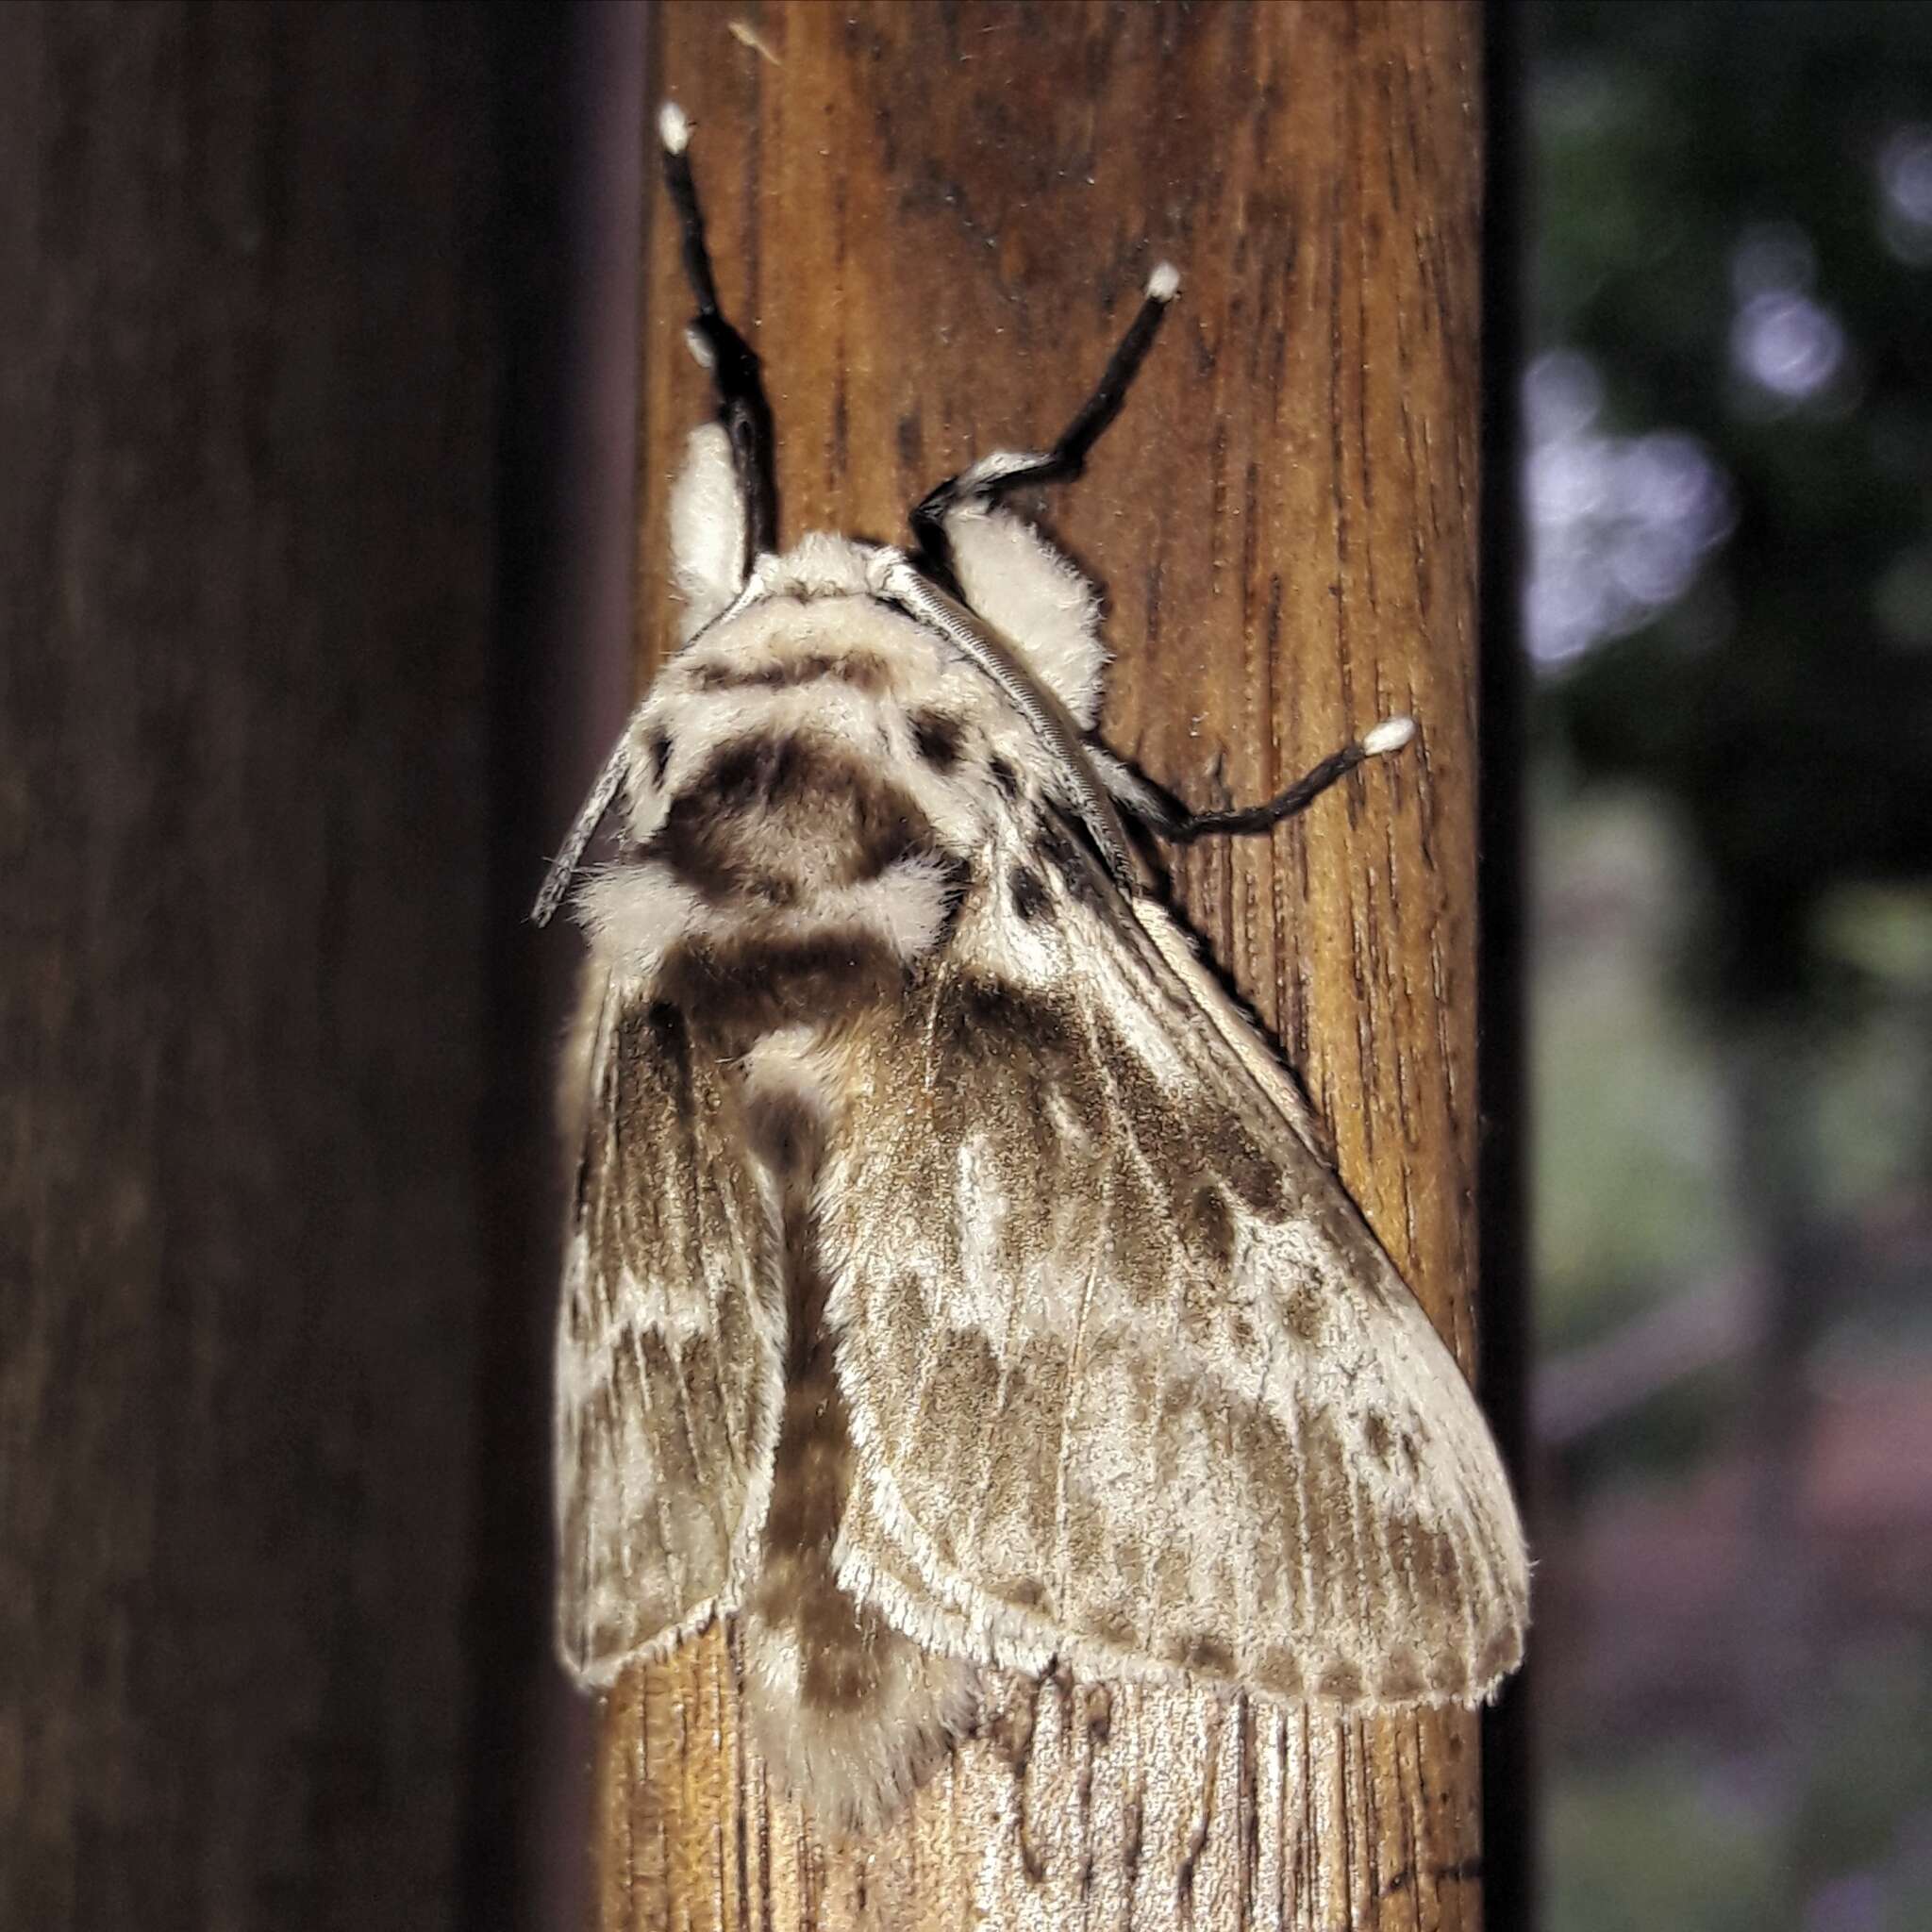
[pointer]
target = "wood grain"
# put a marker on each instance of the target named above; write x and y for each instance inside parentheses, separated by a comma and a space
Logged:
(932, 221)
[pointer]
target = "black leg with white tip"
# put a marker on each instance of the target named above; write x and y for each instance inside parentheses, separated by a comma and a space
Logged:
(1167, 818)
(742, 406)
(989, 479)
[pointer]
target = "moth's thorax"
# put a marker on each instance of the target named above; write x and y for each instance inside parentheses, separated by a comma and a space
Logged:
(815, 784)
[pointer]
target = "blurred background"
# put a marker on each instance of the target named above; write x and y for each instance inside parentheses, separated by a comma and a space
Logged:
(316, 331)
(1727, 607)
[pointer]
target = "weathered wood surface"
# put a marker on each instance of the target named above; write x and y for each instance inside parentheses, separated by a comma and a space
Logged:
(933, 219)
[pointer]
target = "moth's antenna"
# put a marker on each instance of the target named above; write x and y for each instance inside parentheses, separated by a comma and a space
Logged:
(742, 406)
(583, 829)
(1392, 734)
(991, 478)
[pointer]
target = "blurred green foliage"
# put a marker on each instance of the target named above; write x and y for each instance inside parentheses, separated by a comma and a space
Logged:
(1631, 1144)
(1672, 1840)
(1623, 1105)
(1638, 1850)
(1685, 154)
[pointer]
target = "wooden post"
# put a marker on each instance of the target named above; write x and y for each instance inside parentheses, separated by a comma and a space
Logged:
(269, 1641)
(931, 221)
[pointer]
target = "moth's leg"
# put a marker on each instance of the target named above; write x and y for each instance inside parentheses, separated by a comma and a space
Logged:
(1138, 795)
(991, 478)
(742, 406)
(1167, 818)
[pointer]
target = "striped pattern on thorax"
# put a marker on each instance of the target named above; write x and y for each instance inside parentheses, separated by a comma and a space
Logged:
(811, 802)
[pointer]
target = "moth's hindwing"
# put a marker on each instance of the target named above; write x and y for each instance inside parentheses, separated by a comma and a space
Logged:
(1132, 1383)
(668, 1362)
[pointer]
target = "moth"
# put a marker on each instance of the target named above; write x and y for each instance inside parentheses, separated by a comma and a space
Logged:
(954, 1277)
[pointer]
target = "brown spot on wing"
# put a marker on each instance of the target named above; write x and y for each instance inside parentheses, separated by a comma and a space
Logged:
(991, 1023)
(1099, 1712)
(1402, 1677)
(1305, 1314)
(1210, 1229)
(1339, 1680)
(1280, 1672)
(1210, 1656)
(1192, 1136)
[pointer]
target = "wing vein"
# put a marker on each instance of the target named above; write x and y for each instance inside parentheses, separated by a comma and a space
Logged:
(1063, 1461)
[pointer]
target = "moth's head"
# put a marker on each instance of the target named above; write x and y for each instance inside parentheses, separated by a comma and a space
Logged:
(1029, 620)
(1009, 575)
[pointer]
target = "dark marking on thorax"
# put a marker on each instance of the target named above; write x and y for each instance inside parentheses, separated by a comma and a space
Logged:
(775, 817)
(735, 991)
(937, 736)
(862, 670)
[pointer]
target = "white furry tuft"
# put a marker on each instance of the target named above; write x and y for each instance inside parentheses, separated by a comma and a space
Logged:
(1392, 734)
(1164, 284)
(818, 565)
(673, 130)
(634, 912)
(1015, 579)
(853, 1769)
(708, 524)
(906, 903)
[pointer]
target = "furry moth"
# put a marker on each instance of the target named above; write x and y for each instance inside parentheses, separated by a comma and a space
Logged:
(955, 1279)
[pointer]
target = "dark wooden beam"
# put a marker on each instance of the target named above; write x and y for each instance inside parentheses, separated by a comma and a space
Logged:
(276, 1184)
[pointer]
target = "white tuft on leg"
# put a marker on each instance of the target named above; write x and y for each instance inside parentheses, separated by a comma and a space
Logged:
(1392, 734)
